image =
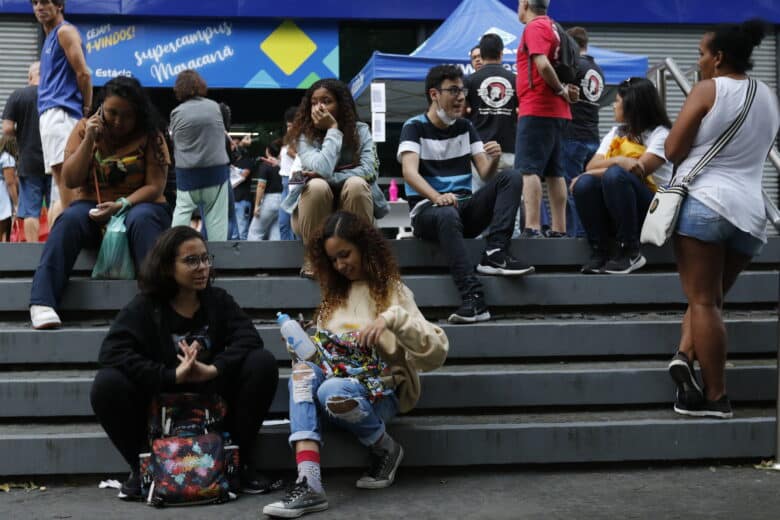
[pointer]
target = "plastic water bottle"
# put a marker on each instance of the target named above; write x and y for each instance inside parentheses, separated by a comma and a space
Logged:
(296, 337)
(393, 190)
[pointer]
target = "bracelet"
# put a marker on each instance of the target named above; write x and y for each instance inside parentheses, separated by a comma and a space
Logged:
(562, 91)
(124, 202)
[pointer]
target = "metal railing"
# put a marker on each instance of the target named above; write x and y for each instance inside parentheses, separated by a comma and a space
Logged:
(658, 74)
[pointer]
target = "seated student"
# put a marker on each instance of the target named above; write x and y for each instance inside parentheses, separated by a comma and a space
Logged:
(621, 178)
(181, 334)
(435, 153)
(338, 161)
(116, 158)
(381, 337)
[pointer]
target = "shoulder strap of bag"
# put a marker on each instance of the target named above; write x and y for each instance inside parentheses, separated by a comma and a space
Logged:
(726, 136)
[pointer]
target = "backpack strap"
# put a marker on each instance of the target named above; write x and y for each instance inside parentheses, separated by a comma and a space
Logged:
(726, 136)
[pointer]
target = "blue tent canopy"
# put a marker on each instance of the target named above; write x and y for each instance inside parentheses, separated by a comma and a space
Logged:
(451, 43)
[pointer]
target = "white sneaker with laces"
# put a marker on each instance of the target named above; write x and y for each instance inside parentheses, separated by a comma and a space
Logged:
(44, 317)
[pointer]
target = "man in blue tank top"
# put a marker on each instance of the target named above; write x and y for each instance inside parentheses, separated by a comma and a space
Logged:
(64, 91)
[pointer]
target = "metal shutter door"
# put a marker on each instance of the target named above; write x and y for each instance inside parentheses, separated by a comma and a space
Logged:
(18, 48)
(681, 43)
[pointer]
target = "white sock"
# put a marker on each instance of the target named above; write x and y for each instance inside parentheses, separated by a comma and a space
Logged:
(310, 470)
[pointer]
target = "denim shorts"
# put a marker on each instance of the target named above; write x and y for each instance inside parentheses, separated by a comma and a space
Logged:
(700, 222)
(32, 191)
(538, 146)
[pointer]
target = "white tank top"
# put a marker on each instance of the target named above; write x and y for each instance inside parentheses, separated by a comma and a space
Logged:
(731, 183)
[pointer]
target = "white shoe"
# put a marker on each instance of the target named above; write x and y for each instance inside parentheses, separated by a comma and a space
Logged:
(44, 317)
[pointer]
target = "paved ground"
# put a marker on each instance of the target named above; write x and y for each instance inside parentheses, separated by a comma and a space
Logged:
(689, 492)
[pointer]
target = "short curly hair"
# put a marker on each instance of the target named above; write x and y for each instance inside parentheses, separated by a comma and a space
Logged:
(189, 84)
(379, 264)
(303, 125)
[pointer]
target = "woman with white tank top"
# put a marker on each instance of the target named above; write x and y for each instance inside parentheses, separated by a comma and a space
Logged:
(722, 221)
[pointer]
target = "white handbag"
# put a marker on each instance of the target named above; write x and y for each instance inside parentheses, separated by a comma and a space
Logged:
(661, 219)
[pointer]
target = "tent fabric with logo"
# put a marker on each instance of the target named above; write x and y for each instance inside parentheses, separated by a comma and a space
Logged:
(404, 75)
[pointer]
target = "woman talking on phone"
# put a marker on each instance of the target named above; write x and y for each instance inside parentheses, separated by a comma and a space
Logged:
(338, 163)
(114, 159)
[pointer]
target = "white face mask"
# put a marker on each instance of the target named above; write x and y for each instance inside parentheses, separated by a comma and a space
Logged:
(445, 118)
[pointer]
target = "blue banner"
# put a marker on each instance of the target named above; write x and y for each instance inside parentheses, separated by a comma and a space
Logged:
(568, 11)
(228, 54)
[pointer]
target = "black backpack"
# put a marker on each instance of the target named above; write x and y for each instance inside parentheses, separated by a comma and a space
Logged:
(568, 55)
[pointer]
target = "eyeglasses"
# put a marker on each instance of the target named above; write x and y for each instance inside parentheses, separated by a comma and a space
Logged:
(455, 91)
(194, 261)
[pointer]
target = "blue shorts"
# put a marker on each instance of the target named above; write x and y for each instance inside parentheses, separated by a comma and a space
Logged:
(700, 222)
(32, 191)
(538, 147)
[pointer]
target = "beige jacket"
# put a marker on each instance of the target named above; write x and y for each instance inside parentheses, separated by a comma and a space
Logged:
(411, 344)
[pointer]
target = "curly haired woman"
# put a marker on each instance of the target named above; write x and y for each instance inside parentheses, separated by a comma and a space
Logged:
(338, 163)
(373, 342)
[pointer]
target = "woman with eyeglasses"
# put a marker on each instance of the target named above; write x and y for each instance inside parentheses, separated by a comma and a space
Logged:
(182, 334)
(614, 192)
(117, 159)
(338, 163)
(722, 222)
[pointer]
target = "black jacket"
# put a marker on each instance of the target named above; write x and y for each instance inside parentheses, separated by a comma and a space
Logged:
(139, 344)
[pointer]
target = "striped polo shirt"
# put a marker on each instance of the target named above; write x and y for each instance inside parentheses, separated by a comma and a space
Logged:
(445, 154)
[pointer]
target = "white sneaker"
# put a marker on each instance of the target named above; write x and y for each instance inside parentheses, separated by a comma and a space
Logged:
(44, 317)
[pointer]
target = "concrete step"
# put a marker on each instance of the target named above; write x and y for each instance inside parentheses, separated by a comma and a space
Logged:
(525, 336)
(539, 438)
(65, 393)
(537, 290)
(410, 254)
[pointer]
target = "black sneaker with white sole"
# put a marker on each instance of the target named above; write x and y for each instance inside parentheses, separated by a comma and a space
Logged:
(131, 488)
(381, 473)
(625, 262)
(720, 409)
(299, 500)
(503, 264)
(472, 310)
(595, 265)
(688, 389)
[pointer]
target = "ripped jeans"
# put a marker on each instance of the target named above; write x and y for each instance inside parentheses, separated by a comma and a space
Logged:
(342, 400)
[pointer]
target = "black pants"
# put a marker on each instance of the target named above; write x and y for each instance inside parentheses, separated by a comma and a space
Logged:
(122, 407)
(493, 206)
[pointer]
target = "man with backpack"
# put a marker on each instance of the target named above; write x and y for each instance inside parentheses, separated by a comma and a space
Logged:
(546, 62)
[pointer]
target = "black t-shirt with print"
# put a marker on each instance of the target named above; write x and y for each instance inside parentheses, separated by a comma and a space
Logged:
(493, 103)
(22, 108)
(584, 125)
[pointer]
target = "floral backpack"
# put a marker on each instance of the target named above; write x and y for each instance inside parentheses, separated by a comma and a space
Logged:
(191, 460)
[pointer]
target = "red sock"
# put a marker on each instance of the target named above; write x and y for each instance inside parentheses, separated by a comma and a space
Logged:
(307, 456)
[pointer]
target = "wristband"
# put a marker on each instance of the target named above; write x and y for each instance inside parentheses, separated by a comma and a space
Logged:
(562, 91)
(124, 202)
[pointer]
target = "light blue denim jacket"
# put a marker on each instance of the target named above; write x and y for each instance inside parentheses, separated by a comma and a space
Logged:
(323, 158)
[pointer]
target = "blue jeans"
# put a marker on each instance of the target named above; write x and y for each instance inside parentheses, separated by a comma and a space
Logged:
(575, 155)
(232, 222)
(616, 201)
(285, 227)
(702, 223)
(74, 230)
(311, 393)
(266, 226)
(243, 210)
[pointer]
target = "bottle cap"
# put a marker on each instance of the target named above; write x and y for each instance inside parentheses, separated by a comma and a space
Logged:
(281, 317)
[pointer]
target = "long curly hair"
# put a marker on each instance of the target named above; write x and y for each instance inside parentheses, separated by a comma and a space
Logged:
(379, 263)
(303, 125)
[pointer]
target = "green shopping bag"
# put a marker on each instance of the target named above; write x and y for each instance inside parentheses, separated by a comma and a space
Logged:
(114, 260)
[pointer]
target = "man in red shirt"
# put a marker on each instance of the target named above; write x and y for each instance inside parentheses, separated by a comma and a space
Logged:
(544, 113)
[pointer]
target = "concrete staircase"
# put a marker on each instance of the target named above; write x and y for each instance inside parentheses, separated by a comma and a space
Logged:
(573, 369)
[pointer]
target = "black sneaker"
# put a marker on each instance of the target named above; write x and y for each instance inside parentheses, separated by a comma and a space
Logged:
(554, 234)
(472, 310)
(705, 408)
(131, 488)
(299, 500)
(688, 390)
(503, 264)
(626, 261)
(253, 483)
(381, 473)
(596, 263)
(531, 233)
